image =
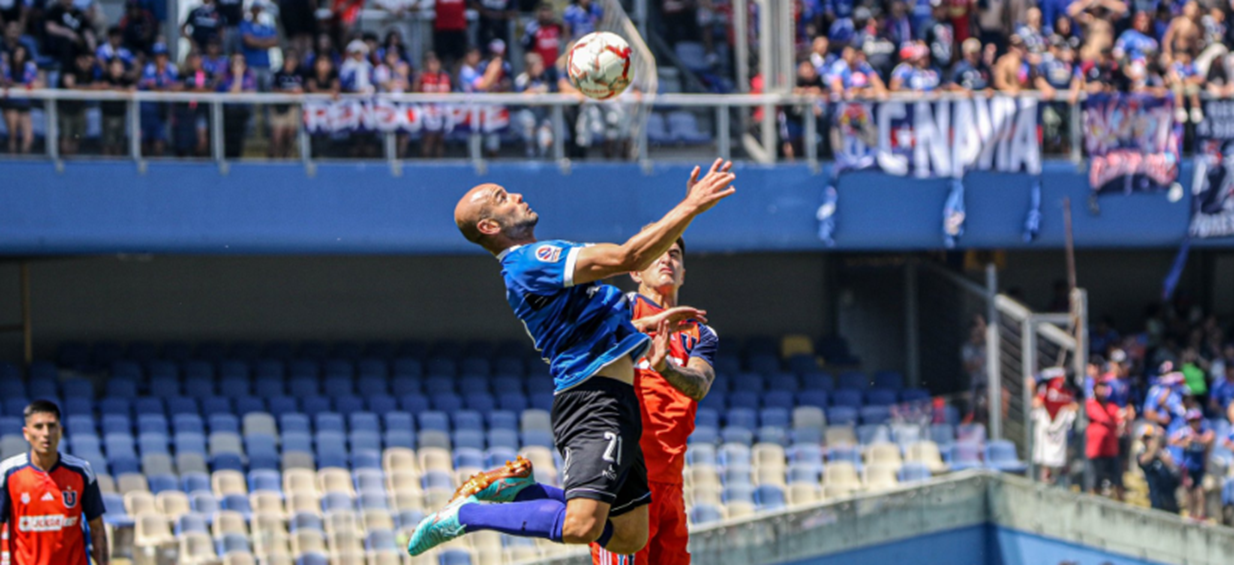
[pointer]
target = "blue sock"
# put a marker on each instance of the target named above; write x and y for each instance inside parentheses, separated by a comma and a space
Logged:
(540, 491)
(531, 519)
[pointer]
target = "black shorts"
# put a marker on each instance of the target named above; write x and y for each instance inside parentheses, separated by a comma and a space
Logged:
(1107, 469)
(597, 427)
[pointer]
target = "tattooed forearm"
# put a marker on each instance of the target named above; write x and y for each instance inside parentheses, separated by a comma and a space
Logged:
(693, 382)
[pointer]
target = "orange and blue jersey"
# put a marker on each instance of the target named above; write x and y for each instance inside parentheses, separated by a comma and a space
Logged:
(45, 512)
(577, 328)
(668, 415)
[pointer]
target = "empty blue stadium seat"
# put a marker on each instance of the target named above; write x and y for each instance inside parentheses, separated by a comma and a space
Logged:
(891, 380)
(438, 384)
(853, 381)
(249, 404)
(514, 402)
(337, 386)
(297, 441)
(871, 433)
(197, 370)
(80, 424)
(255, 443)
(294, 422)
(414, 403)
(114, 514)
(540, 401)
(313, 405)
(818, 380)
(810, 473)
(432, 438)
(211, 405)
(965, 455)
(748, 400)
(881, 397)
(152, 423)
(741, 492)
(764, 363)
(181, 405)
(974, 432)
(769, 498)
(875, 414)
(850, 453)
(199, 387)
(702, 454)
(469, 439)
(737, 434)
(193, 482)
(371, 384)
(78, 406)
(1000, 455)
(121, 464)
(112, 424)
(914, 395)
(434, 420)
(366, 459)
(334, 501)
(234, 385)
(329, 422)
(778, 399)
(237, 503)
(942, 434)
(264, 461)
(503, 438)
(537, 438)
(223, 422)
(364, 440)
(806, 435)
(189, 442)
(265, 480)
(507, 385)
(152, 443)
(269, 386)
(706, 417)
(802, 364)
(188, 423)
(399, 421)
(399, 438)
(227, 462)
(85, 444)
(502, 419)
(747, 382)
(118, 444)
(363, 422)
(381, 540)
(160, 483)
(912, 472)
(702, 514)
(846, 397)
(191, 522)
(704, 435)
(842, 415)
(121, 388)
(107, 406)
(482, 402)
(744, 417)
(468, 420)
(381, 404)
(774, 417)
(403, 385)
(454, 556)
(816, 398)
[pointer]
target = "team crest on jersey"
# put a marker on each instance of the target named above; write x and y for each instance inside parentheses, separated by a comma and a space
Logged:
(25, 498)
(548, 253)
(70, 498)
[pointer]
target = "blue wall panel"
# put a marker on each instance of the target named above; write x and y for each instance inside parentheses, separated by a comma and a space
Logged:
(362, 208)
(977, 545)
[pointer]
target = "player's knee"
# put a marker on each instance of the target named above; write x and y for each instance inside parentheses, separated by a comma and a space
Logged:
(581, 529)
(628, 542)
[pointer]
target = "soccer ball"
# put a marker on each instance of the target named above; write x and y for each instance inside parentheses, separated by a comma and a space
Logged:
(599, 65)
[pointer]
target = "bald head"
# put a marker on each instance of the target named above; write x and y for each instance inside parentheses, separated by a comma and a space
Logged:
(474, 206)
(493, 218)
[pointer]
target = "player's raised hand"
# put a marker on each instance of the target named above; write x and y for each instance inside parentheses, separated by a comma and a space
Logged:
(715, 186)
(675, 316)
(657, 352)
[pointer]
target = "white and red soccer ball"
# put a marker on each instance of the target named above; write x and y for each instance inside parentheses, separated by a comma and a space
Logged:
(599, 65)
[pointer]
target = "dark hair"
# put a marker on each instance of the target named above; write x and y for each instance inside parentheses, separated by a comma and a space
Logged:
(41, 407)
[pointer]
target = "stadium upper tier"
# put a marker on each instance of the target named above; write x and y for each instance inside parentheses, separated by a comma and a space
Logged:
(319, 453)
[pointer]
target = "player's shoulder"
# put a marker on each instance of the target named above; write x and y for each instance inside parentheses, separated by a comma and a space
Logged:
(547, 251)
(79, 465)
(11, 464)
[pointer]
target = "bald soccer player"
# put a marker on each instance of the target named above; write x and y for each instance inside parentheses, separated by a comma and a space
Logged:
(670, 383)
(583, 330)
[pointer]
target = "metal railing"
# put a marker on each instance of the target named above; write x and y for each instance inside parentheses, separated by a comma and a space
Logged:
(719, 106)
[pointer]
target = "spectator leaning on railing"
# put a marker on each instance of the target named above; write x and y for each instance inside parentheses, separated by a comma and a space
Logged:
(1105, 426)
(1194, 440)
(116, 78)
(18, 72)
(1161, 471)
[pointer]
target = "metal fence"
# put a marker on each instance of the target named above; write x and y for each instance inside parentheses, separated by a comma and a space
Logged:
(714, 117)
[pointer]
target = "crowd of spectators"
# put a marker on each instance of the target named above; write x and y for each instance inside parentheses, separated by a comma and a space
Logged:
(1159, 399)
(239, 46)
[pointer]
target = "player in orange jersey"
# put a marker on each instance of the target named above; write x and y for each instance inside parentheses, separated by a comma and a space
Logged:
(669, 386)
(46, 498)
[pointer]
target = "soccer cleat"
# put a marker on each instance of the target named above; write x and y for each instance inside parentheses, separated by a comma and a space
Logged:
(438, 528)
(498, 485)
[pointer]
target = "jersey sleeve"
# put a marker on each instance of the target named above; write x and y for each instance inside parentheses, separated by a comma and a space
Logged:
(707, 346)
(6, 505)
(546, 267)
(92, 498)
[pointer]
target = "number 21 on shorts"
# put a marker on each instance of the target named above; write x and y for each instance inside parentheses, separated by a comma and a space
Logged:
(613, 453)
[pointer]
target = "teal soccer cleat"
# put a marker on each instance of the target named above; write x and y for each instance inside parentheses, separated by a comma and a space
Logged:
(498, 485)
(438, 528)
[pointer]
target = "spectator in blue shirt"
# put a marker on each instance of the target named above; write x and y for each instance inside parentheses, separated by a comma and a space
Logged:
(114, 48)
(17, 72)
(898, 27)
(1221, 393)
(581, 18)
(203, 24)
(159, 76)
(970, 73)
(535, 127)
(851, 76)
(1194, 440)
(821, 56)
(915, 73)
(1136, 44)
(258, 35)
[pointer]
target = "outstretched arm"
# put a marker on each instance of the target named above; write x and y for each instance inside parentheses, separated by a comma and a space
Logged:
(605, 260)
(100, 553)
